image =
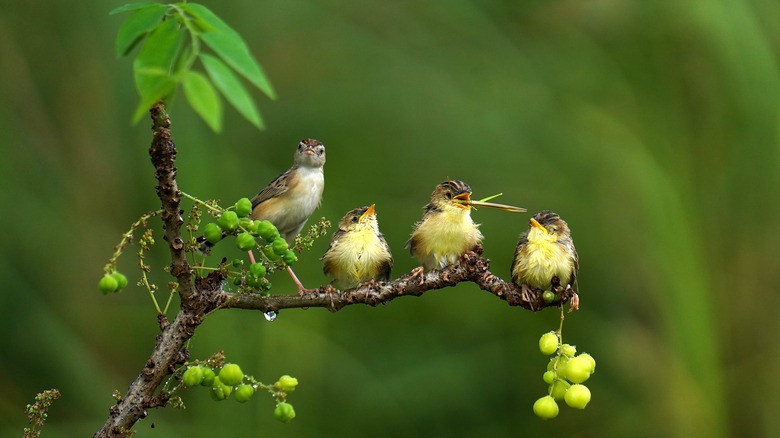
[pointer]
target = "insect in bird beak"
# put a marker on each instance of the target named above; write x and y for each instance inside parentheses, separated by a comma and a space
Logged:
(536, 224)
(368, 212)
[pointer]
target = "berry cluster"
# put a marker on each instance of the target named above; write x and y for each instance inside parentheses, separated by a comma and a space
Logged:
(113, 282)
(231, 380)
(565, 374)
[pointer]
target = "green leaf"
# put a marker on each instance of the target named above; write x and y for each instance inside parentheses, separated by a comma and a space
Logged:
(138, 24)
(229, 45)
(204, 99)
(132, 7)
(152, 66)
(230, 86)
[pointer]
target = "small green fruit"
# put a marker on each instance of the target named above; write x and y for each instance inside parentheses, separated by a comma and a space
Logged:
(231, 374)
(289, 257)
(279, 246)
(208, 377)
(270, 254)
(243, 207)
(548, 296)
(284, 412)
(568, 350)
(548, 343)
(257, 269)
(245, 241)
(253, 281)
(590, 360)
(228, 221)
(121, 280)
(577, 396)
(548, 377)
(287, 383)
(577, 369)
(193, 376)
(212, 232)
(220, 391)
(546, 408)
(108, 284)
(244, 392)
(558, 389)
(266, 230)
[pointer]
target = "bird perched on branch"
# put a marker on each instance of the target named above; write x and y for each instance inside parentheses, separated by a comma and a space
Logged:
(545, 256)
(358, 252)
(446, 230)
(289, 200)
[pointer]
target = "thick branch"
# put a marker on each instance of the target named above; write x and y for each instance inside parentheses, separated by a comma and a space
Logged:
(472, 267)
(163, 154)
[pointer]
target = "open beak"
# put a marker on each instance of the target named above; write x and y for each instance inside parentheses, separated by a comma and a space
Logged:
(369, 212)
(463, 200)
(466, 201)
(536, 224)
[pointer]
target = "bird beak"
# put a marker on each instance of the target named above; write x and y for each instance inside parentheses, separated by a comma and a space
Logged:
(536, 224)
(309, 151)
(369, 212)
(463, 200)
(467, 201)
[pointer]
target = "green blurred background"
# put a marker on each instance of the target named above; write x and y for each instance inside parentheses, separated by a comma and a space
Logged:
(650, 126)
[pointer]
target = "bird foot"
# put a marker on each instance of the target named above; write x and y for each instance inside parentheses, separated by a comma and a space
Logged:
(525, 293)
(574, 303)
(417, 273)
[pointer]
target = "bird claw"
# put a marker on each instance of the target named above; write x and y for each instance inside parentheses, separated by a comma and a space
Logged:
(574, 303)
(417, 273)
(525, 293)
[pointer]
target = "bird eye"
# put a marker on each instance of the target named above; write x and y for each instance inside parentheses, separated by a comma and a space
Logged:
(354, 219)
(449, 195)
(551, 229)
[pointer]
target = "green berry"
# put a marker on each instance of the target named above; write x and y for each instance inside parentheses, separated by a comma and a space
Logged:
(557, 363)
(289, 257)
(270, 254)
(231, 374)
(548, 377)
(253, 281)
(284, 412)
(266, 230)
(558, 389)
(220, 391)
(237, 263)
(590, 360)
(228, 221)
(279, 246)
(244, 392)
(287, 383)
(257, 269)
(548, 296)
(208, 377)
(193, 376)
(245, 241)
(546, 408)
(577, 396)
(243, 207)
(212, 232)
(121, 280)
(568, 350)
(108, 284)
(548, 343)
(246, 224)
(577, 369)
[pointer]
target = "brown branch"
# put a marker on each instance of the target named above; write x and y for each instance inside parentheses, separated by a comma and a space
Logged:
(201, 297)
(472, 267)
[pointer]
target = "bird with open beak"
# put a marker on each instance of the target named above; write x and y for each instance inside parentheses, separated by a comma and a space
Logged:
(446, 230)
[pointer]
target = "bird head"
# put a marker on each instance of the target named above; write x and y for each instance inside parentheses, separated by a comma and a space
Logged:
(310, 153)
(452, 194)
(363, 217)
(548, 226)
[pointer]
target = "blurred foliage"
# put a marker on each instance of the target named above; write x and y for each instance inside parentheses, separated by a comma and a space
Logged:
(651, 127)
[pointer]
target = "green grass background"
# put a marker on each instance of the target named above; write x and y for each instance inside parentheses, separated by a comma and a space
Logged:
(651, 127)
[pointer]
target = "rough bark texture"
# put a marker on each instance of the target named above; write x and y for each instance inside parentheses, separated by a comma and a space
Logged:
(200, 297)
